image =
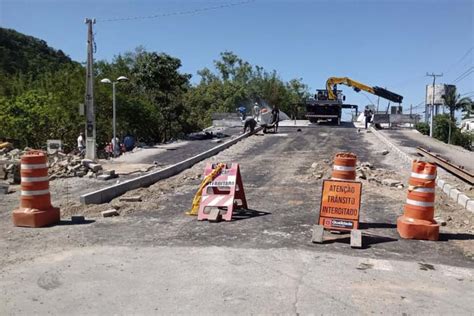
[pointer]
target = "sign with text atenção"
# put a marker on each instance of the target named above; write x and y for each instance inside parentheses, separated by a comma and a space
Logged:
(340, 205)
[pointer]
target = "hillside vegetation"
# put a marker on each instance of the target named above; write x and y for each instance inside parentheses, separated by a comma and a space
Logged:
(41, 89)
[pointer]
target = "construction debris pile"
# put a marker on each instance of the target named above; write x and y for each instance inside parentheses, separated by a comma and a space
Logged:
(60, 166)
(367, 171)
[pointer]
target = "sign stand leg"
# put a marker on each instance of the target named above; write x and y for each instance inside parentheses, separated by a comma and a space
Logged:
(214, 215)
(318, 234)
(356, 238)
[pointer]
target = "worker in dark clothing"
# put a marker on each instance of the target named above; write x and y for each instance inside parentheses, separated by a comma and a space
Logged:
(368, 116)
(275, 117)
(250, 124)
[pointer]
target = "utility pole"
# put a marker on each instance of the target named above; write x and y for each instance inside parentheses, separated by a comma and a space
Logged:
(432, 104)
(89, 97)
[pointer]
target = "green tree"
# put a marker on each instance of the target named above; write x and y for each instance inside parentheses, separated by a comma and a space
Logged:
(454, 102)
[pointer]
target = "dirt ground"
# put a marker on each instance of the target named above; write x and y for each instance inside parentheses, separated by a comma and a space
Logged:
(283, 187)
(388, 166)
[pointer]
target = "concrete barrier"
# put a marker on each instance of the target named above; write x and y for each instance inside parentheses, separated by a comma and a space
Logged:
(107, 194)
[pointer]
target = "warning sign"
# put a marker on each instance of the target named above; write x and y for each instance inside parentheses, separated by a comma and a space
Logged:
(340, 205)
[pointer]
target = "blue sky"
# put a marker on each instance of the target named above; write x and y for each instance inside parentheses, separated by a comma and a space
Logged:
(386, 43)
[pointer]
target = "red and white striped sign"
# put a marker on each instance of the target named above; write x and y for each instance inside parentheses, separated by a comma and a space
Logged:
(225, 192)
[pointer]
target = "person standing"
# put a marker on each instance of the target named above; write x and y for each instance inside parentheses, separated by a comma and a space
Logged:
(81, 144)
(115, 146)
(243, 112)
(368, 116)
(256, 111)
(275, 117)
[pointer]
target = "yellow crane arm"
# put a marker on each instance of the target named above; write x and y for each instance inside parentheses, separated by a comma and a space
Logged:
(348, 82)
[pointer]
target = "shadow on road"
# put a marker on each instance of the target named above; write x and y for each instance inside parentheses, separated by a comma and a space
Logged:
(367, 240)
(241, 214)
(451, 236)
(376, 225)
(84, 222)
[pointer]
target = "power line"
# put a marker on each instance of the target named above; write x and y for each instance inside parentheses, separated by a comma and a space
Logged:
(464, 75)
(460, 60)
(177, 13)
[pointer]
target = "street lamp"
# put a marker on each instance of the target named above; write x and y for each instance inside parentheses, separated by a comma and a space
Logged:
(108, 81)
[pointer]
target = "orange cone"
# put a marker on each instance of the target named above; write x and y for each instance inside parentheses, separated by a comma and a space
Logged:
(35, 202)
(417, 221)
(344, 167)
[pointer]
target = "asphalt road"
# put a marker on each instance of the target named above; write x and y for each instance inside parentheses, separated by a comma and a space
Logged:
(158, 260)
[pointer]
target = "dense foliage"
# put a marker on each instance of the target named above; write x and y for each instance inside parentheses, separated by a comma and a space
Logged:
(423, 128)
(445, 130)
(42, 89)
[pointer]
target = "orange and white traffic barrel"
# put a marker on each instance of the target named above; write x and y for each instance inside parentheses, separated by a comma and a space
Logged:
(417, 221)
(35, 201)
(344, 167)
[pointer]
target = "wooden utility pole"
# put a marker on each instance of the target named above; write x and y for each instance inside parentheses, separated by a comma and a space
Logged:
(91, 152)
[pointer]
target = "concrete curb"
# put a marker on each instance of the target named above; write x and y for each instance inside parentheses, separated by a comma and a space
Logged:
(107, 194)
(449, 189)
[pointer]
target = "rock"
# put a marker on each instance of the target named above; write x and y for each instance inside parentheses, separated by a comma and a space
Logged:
(132, 198)
(104, 177)
(4, 187)
(466, 222)
(14, 152)
(400, 186)
(391, 182)
(440, 221)
(86, 162)
(367, 165)
(95, 167)
(448, 218)
(90, 175)
(109, 172)
(318, 175)
(110, 213)
(314, 165)
(385, 152)
(80, 174)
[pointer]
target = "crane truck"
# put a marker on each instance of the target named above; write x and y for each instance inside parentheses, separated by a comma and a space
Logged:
(328, 103)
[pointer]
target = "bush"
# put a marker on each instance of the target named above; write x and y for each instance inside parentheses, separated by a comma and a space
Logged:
(465, 140)
(441, 131)
(423, 128)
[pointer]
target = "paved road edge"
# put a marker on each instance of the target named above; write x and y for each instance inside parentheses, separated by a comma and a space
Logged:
(449, 189)
(107, 194)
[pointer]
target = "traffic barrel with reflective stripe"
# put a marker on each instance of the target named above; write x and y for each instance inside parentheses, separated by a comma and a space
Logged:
(344, 167)
(35, 201)
(417, 221)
